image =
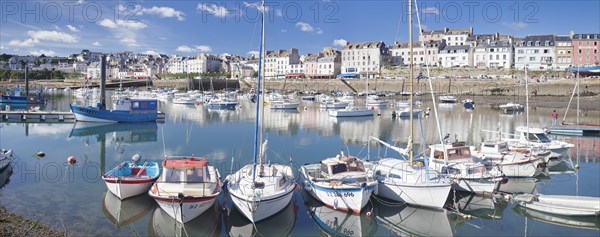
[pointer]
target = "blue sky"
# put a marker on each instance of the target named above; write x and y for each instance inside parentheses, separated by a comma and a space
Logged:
(59, 28)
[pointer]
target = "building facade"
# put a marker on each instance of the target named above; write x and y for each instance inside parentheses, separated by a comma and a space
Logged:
(586, 50)
(536, 52)
(364, 58)
(493, 54)
(400, 53)
(564, 51)
(454, 56)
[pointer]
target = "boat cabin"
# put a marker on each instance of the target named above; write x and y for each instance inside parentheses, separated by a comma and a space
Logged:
(341, 164)
(455, 151)
(137, 105)
(186, 171)
(533, 135)
(494, 147)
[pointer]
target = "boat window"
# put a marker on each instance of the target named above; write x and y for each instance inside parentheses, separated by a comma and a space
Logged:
(459, 153)
(532, 137)
(502, 146)
(543, 137)
(488, 145)
(338, 168)
(195, 175)
(282, 181)
(173, 175)
(438, 155)
(475, 170)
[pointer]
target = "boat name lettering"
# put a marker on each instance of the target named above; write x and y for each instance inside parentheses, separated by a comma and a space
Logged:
(346, 194)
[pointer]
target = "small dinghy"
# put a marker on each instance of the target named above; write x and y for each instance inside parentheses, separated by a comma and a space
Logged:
(130, 178)
(561, 204)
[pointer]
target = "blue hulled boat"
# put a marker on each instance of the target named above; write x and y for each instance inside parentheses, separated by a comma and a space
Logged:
(127, 110)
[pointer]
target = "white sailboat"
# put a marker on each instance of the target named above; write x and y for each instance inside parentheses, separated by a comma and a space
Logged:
(513, 164)
(406, 180)
(261, 190)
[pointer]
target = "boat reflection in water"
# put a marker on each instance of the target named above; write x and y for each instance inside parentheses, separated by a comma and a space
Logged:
(480, 206)
(121, 132)
(405, 220)
(5, 175)
(126, 212)
(207, 224)
(280, 224)
(338, 223)
(518, 185)
(584, 222)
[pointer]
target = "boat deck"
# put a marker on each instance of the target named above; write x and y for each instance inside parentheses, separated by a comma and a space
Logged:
(48, 116)
(575, 130)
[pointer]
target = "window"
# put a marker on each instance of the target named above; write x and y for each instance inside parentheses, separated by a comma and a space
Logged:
(531, 59)
(545, 51)
(536, 51)
(504, 57)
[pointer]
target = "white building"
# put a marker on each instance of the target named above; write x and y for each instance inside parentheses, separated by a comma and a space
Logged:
(493, 54)
(537, 52)
(400, 53)
(454, 56)
(456, 37)
(278, 63)
(364, 58)
(80, 67)
(177, 64)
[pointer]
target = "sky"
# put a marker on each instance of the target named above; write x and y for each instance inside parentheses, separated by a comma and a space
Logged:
(60, 28)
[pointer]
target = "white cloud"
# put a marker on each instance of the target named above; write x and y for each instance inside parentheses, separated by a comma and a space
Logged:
(129, 41)
(42, 51)
(340, 42)
(132, 25)
(203, 48)
(431, 10)
(72, 28)
(255, 53)
(308, 28)
(35, 37)
(197, 48)
(214, 9)
(256, 5)
(278, 12)
(55, 36)
(151, 52)
(2, 47)
(97, 44)
(283, 30)
(516, 25)
(185, 49)
(23, 43)
(163, 12)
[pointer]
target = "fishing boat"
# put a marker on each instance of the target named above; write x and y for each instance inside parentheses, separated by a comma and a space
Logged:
(340, 182)
(126, 109)
(131, 178)
(222, 102)
(260, 190)
(125, 212)
(405, 113)
(536, 137)
(512, 164)
(5, 158)
(467, 172)
(13, 96)
(448, 99)
(351, 111)
(564, 205)
(511, 107)
(469, 104)
(586, 71)
(187, 187)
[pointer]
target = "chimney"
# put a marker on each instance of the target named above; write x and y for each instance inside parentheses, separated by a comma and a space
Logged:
(571, 34)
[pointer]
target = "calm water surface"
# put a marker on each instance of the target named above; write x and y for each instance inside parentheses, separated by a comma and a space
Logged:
(74, 198)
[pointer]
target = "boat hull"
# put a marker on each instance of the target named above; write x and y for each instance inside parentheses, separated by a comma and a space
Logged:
(345, 199)
(125, 188)
(429, 195)
(89, 114)
(565, 205)
(265, 208)
(351, 113)
(478, 186)
(186, 209)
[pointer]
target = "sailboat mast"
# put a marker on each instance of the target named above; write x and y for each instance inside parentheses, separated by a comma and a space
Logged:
(410, 101)
(258, 92)
(527, 101)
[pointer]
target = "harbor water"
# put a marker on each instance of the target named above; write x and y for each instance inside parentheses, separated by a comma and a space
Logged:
(74, 199)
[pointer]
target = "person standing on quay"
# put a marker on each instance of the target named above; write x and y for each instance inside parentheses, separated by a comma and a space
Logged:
(554, 117)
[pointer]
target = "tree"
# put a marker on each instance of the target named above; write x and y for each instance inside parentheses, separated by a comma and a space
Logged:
(6, 75)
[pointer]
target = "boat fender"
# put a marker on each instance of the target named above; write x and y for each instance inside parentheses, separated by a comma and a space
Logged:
(369, 214)
(362, 185)
(335, 204)
(136, 157)
(180, 196)
(40, 154)
(71, 160)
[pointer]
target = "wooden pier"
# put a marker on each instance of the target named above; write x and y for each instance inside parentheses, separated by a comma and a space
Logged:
(37, 116)
(49, 116)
